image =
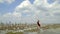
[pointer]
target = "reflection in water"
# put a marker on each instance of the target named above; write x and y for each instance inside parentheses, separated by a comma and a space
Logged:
(48, 31)
(38, 32)
(2, 32)
(30, 33)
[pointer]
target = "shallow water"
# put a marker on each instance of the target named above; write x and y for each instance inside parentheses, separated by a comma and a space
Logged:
(48, 31)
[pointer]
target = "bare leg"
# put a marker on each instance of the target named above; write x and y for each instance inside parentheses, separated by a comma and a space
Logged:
(38, 28)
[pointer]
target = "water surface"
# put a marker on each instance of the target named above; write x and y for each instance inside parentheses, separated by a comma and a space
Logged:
(47, 31)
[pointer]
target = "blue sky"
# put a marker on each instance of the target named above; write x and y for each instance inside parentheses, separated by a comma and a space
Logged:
(50, 1)
(30, 10)
(5, 7)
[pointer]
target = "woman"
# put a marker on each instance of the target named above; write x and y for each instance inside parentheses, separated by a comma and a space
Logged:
(38, 23)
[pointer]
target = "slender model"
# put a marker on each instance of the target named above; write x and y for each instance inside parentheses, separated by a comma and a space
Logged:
(38, 23)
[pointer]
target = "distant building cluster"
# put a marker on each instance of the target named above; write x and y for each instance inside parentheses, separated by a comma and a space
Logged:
(15, 26)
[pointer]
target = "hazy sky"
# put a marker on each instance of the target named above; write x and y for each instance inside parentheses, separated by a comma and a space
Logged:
(47, 11)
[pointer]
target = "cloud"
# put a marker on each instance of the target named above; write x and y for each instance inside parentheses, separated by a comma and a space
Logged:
(40, 9)
(13, 17)
(43, 11)
(12, 14)
(7, 1)
(24, 4)
(1, 1)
